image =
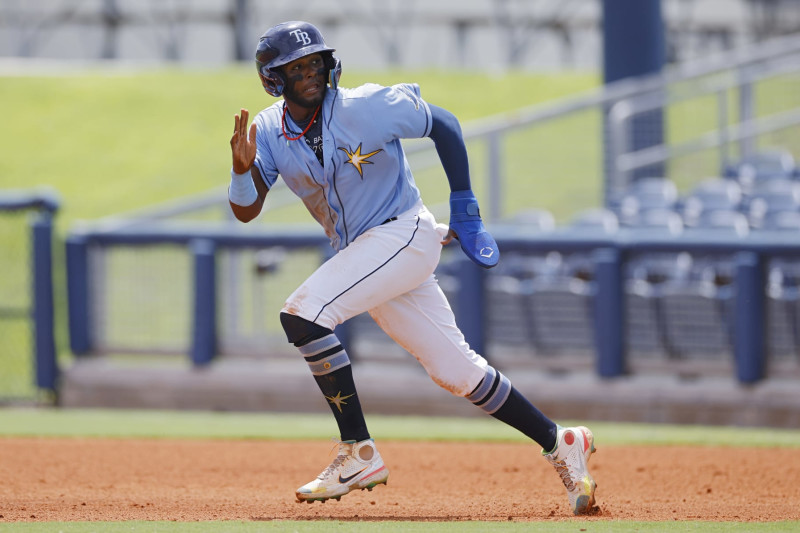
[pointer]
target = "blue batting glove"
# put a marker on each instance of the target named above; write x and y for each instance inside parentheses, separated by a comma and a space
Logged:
(465, 221)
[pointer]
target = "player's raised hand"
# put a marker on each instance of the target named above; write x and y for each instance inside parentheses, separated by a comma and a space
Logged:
(243, 147)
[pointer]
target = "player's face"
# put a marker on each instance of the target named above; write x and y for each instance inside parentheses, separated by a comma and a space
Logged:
(306, 81)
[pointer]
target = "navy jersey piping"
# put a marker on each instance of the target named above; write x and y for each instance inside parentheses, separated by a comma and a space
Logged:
(331, 210)
(342, 216)
(406, 245)
(341, 206)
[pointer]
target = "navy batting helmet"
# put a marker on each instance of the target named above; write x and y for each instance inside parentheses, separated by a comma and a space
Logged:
(286, 42)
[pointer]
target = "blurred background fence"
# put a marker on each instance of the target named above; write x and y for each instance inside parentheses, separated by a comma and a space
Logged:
(729, 127)
(27, 330)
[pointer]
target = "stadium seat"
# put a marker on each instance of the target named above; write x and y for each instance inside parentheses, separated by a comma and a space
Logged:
(508, 313)
(697, 309)
(656, 220)
(763, 166)
(508, 291)
(562, 316)
(723, 221)
(771, 197)
(508, 286)
(646, 194)
(528, 265)
(644, 335)
(783, 220)
(596, 219)
(697, 318)
(783, 298)
(561, 300)
(645, 273)
(711, 194)
(783, 293)
(533, 219)
(714, 268)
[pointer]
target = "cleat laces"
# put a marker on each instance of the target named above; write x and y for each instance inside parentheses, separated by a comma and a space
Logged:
(332, 467)
(563, 472)
(339, 461)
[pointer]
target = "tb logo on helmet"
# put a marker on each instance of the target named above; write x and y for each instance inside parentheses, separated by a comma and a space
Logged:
(301, 36)
(286, 42)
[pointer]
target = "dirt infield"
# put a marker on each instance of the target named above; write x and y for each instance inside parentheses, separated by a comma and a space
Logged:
(46, 479)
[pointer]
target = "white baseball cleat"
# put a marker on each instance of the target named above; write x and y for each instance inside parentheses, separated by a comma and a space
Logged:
(357, 466)
(574, 447)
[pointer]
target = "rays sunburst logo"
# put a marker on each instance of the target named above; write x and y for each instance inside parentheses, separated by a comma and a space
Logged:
(339, 400)
(357, 159)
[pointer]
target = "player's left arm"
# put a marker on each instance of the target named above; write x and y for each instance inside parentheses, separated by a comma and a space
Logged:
(465, 219)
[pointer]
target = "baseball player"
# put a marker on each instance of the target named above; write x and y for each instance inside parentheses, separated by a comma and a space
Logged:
(339, 150)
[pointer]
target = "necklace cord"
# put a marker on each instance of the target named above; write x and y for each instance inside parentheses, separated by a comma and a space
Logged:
(308, 127)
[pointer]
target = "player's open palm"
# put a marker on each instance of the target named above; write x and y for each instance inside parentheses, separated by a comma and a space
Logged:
(243, 145)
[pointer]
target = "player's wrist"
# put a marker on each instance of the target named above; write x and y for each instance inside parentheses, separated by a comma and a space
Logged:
(242, 190)
(464, 205)
(245, 172)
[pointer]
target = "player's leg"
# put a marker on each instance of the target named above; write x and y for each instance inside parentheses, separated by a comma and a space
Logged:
(330, 365)
(422, 322)
(358, 465)
(380, 264)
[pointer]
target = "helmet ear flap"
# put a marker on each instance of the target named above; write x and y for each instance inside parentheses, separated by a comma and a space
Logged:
(334, 71)
(273, 81)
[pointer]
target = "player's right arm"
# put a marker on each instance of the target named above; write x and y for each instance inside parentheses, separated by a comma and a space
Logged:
(247, 189)
(465, 219)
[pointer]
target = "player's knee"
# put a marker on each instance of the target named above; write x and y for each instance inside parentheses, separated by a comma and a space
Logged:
(300, 331)
(457, 386)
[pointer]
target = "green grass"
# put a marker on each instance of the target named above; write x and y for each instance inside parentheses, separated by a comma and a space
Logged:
(112, 141)
(195, 425)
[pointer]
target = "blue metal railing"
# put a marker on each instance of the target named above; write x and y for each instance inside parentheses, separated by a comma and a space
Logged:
(46, 204)
(609, 253)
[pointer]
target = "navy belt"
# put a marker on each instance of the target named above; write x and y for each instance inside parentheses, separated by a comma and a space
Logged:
(388, 220)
